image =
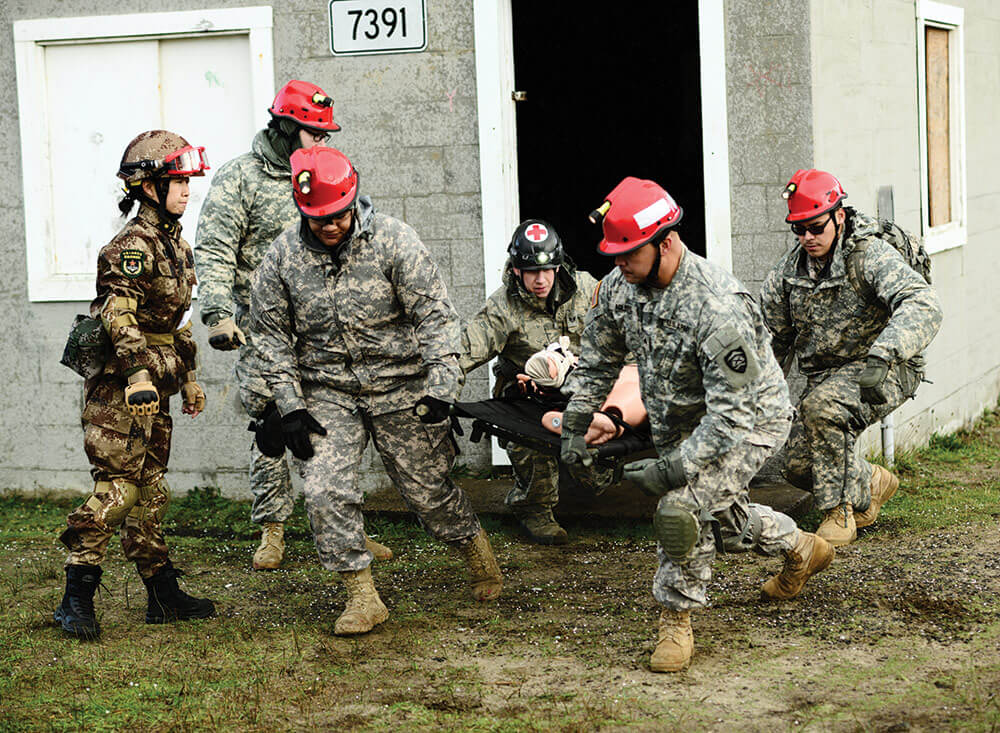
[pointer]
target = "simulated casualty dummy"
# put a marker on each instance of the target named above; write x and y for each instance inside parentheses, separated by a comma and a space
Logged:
(355, 332)
(248, 205)
(543, 301)
(717, 401)
(857, 316)
(144, 280)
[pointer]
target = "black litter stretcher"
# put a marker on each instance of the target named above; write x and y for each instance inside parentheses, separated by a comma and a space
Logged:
(520, 421)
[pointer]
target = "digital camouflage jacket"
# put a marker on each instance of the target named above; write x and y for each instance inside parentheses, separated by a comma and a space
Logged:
(248, 205)
(706, 372)
(828, 323)
(369, 325)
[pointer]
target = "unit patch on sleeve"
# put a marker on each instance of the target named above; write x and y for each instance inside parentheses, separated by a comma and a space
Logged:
(132, 262)
(735, 359)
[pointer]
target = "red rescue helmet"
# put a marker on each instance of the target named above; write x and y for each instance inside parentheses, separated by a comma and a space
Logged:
(811, 193)
(324, 183)
(306, 104)
(634, 213)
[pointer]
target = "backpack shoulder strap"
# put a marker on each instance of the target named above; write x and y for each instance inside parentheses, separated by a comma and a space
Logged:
(856, 271)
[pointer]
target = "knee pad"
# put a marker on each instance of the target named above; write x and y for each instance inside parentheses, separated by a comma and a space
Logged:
(677, 530)
(747, 539)
(153, 504)
(112, 501)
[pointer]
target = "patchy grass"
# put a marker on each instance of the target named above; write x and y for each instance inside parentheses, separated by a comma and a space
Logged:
(902, 632)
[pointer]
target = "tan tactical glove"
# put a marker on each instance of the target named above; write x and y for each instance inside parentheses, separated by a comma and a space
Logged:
(193, 396)
(226, 335)
(141, 397)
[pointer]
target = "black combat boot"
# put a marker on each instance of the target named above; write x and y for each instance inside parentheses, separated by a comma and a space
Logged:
(76, 612)
(167, 602)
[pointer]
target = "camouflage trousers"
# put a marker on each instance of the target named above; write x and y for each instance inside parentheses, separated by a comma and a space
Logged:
(721, 489)
(417, 458)
(537, 480)
(822, 455)
(270, 478)
(128, 457)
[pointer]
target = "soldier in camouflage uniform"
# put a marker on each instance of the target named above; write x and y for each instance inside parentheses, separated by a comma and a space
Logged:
(144, 280)
(356, 333)
(543, 298)
(859, 345)
(248, 205)
(717, 401)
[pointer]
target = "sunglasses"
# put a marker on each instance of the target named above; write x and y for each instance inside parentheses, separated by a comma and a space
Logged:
(814, 229)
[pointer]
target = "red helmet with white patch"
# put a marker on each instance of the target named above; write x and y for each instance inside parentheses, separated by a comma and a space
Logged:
(305, 103)
(634, 213)
(324, 183)
(811, 193)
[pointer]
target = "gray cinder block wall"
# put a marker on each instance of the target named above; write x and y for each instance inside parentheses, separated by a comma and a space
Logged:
(410, 125)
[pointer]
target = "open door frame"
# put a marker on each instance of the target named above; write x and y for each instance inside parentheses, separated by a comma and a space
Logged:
(498, 137)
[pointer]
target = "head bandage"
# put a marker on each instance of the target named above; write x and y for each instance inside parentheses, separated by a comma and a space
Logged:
(550, 367)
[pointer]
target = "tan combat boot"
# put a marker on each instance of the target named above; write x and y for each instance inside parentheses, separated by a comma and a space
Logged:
(272, 547)
(810, 555)
(838, 526)
(380, 551)
(543, 528)
(365, 609)
(674, 643)
(884, 486)
(484, 572)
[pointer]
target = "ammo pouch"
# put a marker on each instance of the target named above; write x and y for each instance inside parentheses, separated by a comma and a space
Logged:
(910, 374)
(88, 347)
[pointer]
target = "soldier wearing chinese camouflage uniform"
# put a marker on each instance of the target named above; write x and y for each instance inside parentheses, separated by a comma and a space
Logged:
(543, 298)
(248, 205)
(356, 333)
(717, 401)
(858, 318)
(144, 281)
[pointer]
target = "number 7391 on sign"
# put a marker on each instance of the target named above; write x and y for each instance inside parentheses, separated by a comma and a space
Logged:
(374, 26)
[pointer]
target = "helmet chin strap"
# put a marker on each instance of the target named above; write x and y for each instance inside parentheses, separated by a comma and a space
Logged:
(652, 278)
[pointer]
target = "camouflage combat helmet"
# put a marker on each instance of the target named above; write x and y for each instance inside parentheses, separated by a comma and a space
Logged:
(158, 153)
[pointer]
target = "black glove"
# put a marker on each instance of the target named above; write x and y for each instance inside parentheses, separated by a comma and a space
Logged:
(431, 409)
(573, 448)
(872, 380)
(657, 476)
(270, 436)
(296, 427)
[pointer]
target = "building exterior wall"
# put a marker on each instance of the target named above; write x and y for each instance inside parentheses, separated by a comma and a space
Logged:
(410, 126)
(770, 125)
(865, 120)
(809, 82)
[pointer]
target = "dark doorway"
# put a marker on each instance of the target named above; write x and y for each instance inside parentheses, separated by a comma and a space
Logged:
(610, 94)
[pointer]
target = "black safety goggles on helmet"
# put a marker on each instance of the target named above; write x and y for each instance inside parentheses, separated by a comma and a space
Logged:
(815, 229)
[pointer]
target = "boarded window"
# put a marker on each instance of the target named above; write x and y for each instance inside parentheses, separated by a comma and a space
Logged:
(938, 125)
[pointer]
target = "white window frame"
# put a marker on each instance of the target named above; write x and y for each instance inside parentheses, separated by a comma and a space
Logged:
(950, 18)
(30, 39)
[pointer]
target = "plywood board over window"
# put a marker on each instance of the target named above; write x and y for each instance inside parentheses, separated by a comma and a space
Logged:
(938, 124)
(87, 86)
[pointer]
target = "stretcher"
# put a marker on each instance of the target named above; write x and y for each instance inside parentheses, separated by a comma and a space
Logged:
(518, 419)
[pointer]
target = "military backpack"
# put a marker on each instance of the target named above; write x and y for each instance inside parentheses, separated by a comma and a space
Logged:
(909, 245)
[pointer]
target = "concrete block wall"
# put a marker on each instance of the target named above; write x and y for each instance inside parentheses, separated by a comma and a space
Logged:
(770, 125)
(865, 120)
(410, 126)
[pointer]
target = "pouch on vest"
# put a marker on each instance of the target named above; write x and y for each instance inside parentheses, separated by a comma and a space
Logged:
(88, 347)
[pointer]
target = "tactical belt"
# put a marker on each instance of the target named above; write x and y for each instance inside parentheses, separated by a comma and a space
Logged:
(163, 339)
